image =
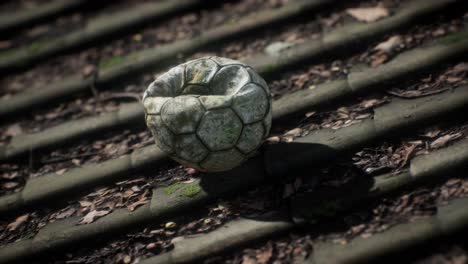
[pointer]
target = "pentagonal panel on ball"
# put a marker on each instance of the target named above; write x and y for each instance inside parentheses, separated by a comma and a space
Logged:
(250, 103)
(267, 121)
(163, 137)
(225, 61)
(200, 71)
(251, 137)
(229, 80)
(219, 129)
(196, 89)
(175, 78)
(258, 80)
(222, 160)
(189, 147)
(159, 88)
(215, 101)
(182, 114)
(153, 105)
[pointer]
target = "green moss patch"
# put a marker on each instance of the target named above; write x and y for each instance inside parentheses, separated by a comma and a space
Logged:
(7, 53)
(452, 38)
(172, 188)
(109, 62)
(188, 191)
(36, 46)
(191, 190)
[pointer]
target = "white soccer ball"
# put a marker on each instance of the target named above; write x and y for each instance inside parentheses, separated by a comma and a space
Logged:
(210, 114)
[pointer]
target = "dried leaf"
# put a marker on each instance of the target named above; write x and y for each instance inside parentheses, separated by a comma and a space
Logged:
(65, 214)
(389, 44)
(294, 132)
(141, 201)
(85, 203)
(17, 223)
(248, 260)
(370, 103)
(127, 259)
(442, 141)
(91, 216)
(60, 172)
(76, 162)
(274, 139)
(170, 225)
(309, 114)
(10, 185)
(191, 171)
(431, 134)
(13, 130)
(264, 256)
(5, 44)
(379, 60)
(460, 68)
(368, 14)
(88, 70)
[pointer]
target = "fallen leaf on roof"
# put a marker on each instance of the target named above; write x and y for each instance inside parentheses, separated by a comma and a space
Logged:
(93, 215)
(368, 14)
(18, 222)
(443, 140)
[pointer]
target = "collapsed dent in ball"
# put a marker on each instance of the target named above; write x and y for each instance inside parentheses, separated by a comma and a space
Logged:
(210, 114)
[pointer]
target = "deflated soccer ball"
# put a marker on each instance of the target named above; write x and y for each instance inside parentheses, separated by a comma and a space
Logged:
(210, 114)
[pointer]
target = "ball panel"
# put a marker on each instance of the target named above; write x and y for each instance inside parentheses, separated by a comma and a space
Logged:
(258, 80)
(225, 61)
(189, 148)
(215, 101)
(175, 78)
(250, 103)
(229, 80)
(182, 114)
(196, 89)
(222, 160)
(219, 129)
(159, 88)
(200, 71)
(153, 105)
(163, 137)
(267, 121)
(251, 137)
